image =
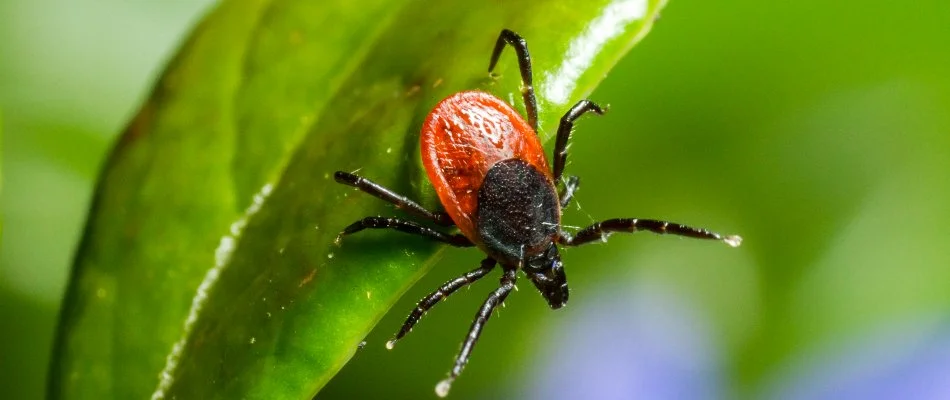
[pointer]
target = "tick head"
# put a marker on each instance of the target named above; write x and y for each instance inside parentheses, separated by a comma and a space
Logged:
(547, 274)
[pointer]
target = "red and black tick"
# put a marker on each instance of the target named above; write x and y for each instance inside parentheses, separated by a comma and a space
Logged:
(489, 170)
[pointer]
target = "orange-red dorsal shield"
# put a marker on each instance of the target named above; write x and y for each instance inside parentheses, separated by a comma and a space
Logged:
(462, 138)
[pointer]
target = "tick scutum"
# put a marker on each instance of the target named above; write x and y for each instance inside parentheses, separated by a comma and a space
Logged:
(518, 211)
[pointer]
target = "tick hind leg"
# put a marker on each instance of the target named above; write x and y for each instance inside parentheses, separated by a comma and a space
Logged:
(494, 299)
(601, 230)
(442, 293)
(524, 64)
(401, 202)
(564, 133)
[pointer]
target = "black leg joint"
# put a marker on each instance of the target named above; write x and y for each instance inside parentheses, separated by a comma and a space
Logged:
(401, 202)
(442, 293)
(409, 227)
(564, 132)
(524, 65)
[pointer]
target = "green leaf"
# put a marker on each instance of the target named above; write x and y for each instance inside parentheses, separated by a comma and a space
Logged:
(1, 154)
(208, 269)
(1, 163)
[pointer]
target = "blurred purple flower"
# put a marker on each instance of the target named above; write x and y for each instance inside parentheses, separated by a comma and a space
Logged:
(629, 344)
(646, 343)
(910, 360)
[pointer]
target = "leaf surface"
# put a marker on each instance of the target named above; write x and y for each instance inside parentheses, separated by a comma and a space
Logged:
(208, 268)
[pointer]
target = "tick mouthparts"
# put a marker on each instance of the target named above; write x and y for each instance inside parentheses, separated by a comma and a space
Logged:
(733, 240)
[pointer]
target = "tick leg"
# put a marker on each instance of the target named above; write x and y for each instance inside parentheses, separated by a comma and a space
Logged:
(494, 299)
(524, 64)
(400, 201)
(410, 227)
(570, 186)
(440, 294)
(600, 230)
(564, 132)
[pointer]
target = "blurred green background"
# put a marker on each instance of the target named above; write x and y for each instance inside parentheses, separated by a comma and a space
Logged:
(819, 131)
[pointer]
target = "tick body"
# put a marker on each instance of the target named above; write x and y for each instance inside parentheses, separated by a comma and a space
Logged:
(489, 170)
(496, 186)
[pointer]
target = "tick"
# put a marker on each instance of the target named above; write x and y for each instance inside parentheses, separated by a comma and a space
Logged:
(495, 184)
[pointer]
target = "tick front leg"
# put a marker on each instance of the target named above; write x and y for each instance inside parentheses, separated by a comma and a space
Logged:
(440, 294)
(524, 64)
(410, 227)
(601, 230)
(564, 132)
(400, 201)
(494, 299)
